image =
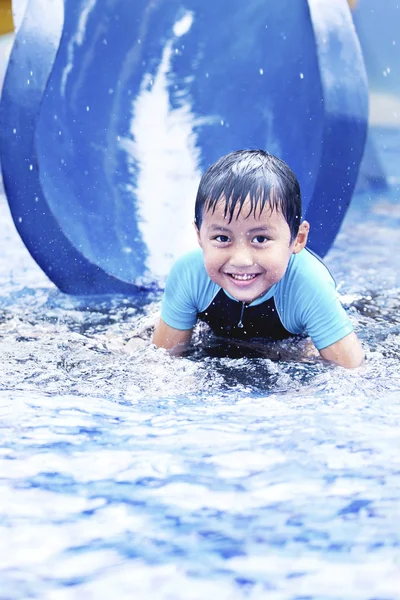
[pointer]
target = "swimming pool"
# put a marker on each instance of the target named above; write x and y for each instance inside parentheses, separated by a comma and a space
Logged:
(136, 475)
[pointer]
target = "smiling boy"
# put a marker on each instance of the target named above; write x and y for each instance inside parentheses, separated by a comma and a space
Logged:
(252, 276)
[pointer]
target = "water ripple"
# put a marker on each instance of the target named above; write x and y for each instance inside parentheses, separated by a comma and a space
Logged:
(126, 473)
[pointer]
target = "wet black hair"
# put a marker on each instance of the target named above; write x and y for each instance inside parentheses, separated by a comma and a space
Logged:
(256, 174)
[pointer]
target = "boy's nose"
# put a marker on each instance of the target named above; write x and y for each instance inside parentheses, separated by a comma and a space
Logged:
(241, 257)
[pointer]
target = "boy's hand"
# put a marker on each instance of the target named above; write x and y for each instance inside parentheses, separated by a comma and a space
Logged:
(169, 338)
(347, 352)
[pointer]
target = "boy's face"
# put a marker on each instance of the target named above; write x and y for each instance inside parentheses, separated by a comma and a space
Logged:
(250, 254)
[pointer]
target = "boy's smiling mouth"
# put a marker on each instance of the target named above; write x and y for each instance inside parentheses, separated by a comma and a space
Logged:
(243, 276)
(242, 279)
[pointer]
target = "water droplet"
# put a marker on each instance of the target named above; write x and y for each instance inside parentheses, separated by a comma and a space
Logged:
(14, 131)
(87, 109)
(261, 71)
(19, 219)
(301, 75)
(31, 167)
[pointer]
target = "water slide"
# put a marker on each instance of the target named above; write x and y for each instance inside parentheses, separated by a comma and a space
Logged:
(111, 110)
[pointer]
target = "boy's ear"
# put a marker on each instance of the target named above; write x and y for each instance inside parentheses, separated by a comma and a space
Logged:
(302, 237)
(197, 233)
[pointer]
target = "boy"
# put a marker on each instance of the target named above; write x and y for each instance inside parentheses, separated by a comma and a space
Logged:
(253, 277)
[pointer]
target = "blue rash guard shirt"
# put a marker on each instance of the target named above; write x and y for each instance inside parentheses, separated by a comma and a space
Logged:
(304, 301)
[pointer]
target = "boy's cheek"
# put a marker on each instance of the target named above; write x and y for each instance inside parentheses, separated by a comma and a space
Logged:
(211, 268)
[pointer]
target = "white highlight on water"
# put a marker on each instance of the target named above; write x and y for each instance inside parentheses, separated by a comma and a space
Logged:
(163, 149)
(184, 24)
(76, 40)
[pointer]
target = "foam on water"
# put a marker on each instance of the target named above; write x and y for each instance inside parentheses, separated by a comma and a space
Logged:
(126, 473)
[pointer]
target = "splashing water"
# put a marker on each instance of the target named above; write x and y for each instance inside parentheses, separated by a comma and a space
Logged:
(126, 473)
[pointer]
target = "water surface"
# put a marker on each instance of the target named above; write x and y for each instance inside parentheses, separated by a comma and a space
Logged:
(126, 473)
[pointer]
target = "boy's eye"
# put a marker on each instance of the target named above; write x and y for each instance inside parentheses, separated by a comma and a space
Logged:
(222, 238)
(260, 239)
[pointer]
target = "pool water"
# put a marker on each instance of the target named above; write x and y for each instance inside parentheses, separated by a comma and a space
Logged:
(125, 473)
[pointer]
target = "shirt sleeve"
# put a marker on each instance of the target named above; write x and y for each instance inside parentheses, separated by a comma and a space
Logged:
(310, 303)
(324, 318)
(178, 308)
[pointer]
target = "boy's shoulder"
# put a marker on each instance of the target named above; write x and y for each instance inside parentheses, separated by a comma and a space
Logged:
(190, 268)
(190, 261)
(188, 290)
(306, 281)
(307, 301)
(189, 274)
(307, 268)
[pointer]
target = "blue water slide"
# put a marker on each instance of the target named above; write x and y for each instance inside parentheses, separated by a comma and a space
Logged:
(111, 110)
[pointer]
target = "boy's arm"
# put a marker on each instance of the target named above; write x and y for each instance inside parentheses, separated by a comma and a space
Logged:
(170, 338)
(311, 305)
(347, 352)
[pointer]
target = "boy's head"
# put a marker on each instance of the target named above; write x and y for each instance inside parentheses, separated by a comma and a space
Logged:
(248, 222)
(253, 175)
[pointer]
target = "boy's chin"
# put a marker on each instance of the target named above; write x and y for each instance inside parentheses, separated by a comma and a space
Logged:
(248, 298)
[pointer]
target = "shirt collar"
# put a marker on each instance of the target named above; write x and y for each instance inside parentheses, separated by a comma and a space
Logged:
(259, 300)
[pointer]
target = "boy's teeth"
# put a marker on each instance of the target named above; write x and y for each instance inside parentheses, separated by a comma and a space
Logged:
(242, 277)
